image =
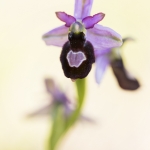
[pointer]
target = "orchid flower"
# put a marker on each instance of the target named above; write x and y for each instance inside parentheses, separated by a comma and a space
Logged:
(79, 38)
(113, 58)
(58, 98)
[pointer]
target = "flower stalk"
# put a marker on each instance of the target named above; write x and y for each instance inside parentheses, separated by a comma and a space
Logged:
(62, 124)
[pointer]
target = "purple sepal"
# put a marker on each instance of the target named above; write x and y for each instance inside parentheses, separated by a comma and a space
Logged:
(57, 36)
(102, 61)
(68, 19)
(103, 37)
(90, 21)
(82, 8)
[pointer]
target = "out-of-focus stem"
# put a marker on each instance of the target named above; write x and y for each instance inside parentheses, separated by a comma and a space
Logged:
(60, 124)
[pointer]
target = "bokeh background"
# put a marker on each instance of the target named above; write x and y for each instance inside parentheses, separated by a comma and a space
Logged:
(122, 118)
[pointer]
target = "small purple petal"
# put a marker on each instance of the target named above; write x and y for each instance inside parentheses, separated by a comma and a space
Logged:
(57, 36)
(103, 37)
(90, 21)
(82, 8)
(65, 18)
(102, 61)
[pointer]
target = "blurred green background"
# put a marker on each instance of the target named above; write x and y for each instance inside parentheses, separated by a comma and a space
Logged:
(122, 118)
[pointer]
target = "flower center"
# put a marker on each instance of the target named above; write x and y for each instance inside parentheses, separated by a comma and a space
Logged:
(75, 59)
(77, 28)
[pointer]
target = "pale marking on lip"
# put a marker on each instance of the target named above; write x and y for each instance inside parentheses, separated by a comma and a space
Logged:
(75, 59)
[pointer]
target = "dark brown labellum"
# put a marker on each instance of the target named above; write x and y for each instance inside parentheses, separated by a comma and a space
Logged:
(125, 81)
(77, 56)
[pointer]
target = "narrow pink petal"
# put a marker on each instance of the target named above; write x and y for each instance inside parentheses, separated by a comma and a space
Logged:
(103, 37)
(57, 36)
(102, 62)
(90, 21)
(68, 19)
(82, 8)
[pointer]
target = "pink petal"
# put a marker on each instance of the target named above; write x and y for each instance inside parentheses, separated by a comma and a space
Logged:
(65, 18)
(102, 61)
(103, 37)
(57, 36)
(82, 8)
(90, 21)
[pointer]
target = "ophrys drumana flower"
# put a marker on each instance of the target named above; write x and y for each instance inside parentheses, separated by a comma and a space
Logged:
(113, 57)
(58, 98)
(79, 38)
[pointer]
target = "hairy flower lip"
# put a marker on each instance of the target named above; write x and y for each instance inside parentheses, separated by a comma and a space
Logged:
(83, 70)
(125, 80)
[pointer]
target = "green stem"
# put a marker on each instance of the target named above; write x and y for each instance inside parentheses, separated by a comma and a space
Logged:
(58, 127)
(60, 124)
(81, 89)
